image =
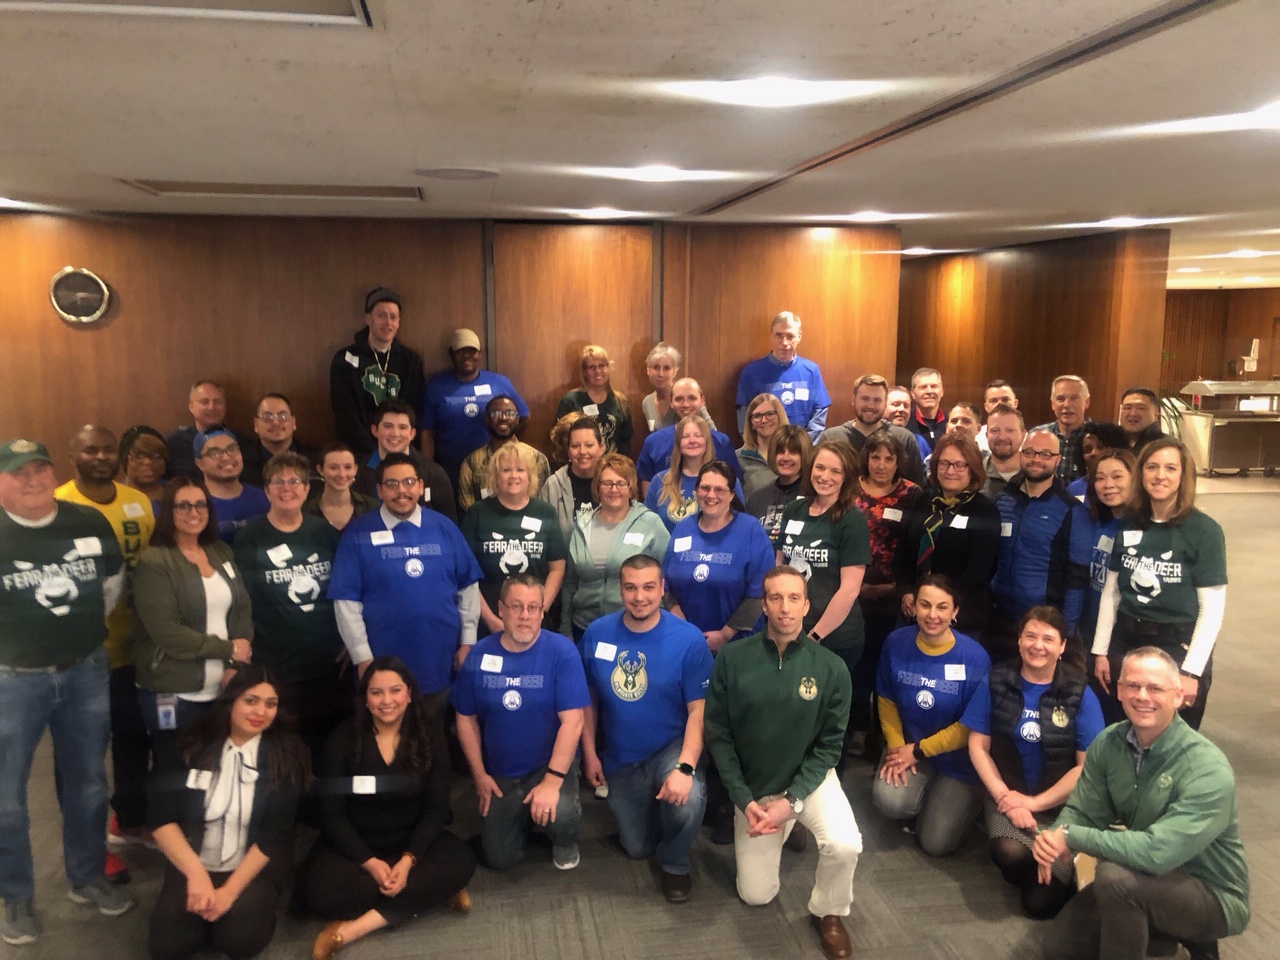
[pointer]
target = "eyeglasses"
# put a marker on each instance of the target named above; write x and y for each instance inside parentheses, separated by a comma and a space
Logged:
(291, 482)
(220, 453)
(521, 608)
(1045, 455)
(596, 367)
(190, 506)
(766, 415)
(406, 484)
(275, 417)
(1153, 690)
(504, 414)
(153, 457)
(952, 466)
(614, 484)
(713, 491)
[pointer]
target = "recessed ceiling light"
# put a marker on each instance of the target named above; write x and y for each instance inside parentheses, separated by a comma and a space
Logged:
(1266, 117)
(1251, 279)
(456, 173)
(1117, 223)
(1191, 269)
(655, 173)
(773, 91)
(918, 251)
(1245, 254)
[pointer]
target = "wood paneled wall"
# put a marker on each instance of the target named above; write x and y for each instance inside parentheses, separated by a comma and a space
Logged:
(723, 284)
(1250, 314)
(1092, 306)
(1195, 329)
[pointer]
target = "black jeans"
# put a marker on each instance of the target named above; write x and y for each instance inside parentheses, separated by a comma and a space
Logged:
(130, 750)
(1174, 639)
(242, 932)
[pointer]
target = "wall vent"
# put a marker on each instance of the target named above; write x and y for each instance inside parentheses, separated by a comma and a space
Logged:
(274, 191)
(329, 12)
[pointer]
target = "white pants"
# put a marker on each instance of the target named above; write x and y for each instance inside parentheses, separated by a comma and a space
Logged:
(829, 818)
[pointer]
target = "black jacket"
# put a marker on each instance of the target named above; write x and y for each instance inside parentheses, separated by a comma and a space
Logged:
(355, 394)
(1059, 707)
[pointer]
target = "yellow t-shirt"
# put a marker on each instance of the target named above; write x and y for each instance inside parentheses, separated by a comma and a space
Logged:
(132, 519)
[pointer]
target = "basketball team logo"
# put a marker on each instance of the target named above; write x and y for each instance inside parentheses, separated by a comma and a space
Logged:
(924, 700)
(413, 567)
(629, 679)
(808, 688)
(701, 572)
(1030, 731)
(512, 700)
(472, 409)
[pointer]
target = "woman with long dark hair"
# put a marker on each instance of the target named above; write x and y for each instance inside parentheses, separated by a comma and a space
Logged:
(384, 856)
(223, 816)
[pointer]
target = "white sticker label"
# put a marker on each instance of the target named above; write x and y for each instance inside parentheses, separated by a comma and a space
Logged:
(633, 539)
(1106, 544)
(653, 425)
(591, 410)
(280, 555)
(802, 393)
(1006, 529)
(959, 522)
(794, 526)
(893, 513)
(485, 493)
(89, 546)
(364, 786)
(426, 495)
(491, 663)
(199, 779)
(682, 544)
(1080, 497)
(133, 510)
(483, 390)
(1132, 538)
(606, 651)
(352, 359)
(531, 523)
(380, 538)
(953, 671)
(228, 566)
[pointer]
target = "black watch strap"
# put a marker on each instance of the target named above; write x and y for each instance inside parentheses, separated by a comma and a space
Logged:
(685, 768)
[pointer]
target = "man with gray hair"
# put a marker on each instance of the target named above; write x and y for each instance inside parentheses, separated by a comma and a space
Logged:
(207, 402)
(795, 381)
(1069, 397)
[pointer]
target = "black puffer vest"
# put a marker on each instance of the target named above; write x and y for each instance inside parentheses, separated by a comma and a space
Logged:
(1058, 708)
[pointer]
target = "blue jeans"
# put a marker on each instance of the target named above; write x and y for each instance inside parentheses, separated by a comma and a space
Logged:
(502, 832)
(74, 705)
(648, 826)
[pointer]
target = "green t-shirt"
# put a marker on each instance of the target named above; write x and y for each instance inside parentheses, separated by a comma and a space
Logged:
(614, 416)
(287, 574)
(51, 606)
(507, 542)
(819, 547)
(1162, 565)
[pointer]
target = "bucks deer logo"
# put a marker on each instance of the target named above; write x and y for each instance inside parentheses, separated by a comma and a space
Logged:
(629, 679)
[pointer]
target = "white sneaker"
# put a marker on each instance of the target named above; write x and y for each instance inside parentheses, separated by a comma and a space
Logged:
(602, 792)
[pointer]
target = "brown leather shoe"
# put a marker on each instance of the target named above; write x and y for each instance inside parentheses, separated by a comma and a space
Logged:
(835, 939)
(798, 839)
(329, 942)
(676, 887)
(460, 901)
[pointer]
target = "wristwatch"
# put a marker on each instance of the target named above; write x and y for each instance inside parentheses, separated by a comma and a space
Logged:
(797, 805)
(685, 768)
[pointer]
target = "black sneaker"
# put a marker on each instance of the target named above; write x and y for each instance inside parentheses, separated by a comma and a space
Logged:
(1204, 950)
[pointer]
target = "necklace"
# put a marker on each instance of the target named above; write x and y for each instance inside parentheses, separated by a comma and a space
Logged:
(382, 365)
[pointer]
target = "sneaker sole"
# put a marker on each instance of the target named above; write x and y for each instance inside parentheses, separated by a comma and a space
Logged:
(19, 941)
(567, 866)
(105, 911)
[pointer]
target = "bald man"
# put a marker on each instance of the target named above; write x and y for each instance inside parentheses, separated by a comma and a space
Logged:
(686, 400)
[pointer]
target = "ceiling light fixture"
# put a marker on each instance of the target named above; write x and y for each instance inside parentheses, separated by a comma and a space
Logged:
(1190, 269)
(654, 173)
(456, 173)
(772, 92)
(918, 251)
(1245, 254)
(1266, 117)
(1116, 223)
(1251, 279)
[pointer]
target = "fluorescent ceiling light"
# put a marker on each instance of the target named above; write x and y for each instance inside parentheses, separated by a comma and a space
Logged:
(325, 12)
(879, 216)
(918, 251)
(1191, 269)
(773, 91)
(1264, 118)
(1116, 223)
(1251, 279)
(6, 203)
(655, 173)
(1244, 254)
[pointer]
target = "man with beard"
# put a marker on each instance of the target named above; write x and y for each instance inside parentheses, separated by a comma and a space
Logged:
(501, 418)
(235, 503)
(870, 393)
(276, 429)
(996, 393)
(1005, 432)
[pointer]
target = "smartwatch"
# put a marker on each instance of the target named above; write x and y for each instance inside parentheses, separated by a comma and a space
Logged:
(685, 768)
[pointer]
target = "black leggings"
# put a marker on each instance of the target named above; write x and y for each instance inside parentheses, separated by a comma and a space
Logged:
(242, 932)
(1174, 639)
(1040, 901)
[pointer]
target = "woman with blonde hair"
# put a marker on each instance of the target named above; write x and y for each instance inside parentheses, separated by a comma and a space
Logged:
(671, 494)
(765, 415)
(598, 399)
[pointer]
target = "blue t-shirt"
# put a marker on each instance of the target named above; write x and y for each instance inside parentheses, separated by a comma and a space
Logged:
(1089, 723)
(1091, 545)
(932, 692)
(709, 574)
(455, 411)
(655, 455)
(238, 511)
(407, 578)
(1077, 487)
(644, 683)
(518, 698)
(673, 512)
(797, 384)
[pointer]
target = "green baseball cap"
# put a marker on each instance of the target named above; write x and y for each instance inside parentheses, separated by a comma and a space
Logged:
(16, 454)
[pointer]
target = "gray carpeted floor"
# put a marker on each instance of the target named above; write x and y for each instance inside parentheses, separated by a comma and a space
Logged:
(906, 906)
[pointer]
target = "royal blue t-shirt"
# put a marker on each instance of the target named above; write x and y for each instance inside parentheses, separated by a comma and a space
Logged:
(1089, 723)
(407, 578)
(797, 384)
(644, 683)
(932, 692)
(655, 455)
(518, 698)
(455, 411)
(238, 511)
(709, 574)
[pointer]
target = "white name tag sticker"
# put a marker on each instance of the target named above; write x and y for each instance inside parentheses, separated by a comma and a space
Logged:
(229, 567)
(1106, 544)
(1006, 529)
(794, 526)
(426, 495)
(491, 663)
(483, 390)
(1080, 497)
(953, 671)
(89, 546)
(380, 538)
(364, 786)
(199, 779)
(133, 510)
(591, 410)
(653, 425)
(682, 544)
(485, 493)
(802, 393)
(530, 523)
(633, 539)
(959, 522)
(280, 555)
(893, 513)
(352, 359)
(606, 651)
(1132, 538)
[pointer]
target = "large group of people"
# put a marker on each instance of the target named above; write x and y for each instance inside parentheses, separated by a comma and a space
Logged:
(268, 635)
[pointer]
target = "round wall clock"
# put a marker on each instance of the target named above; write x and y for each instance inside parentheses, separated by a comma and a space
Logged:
(78, 295)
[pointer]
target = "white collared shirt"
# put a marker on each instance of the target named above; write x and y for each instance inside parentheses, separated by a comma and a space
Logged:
(228, 806)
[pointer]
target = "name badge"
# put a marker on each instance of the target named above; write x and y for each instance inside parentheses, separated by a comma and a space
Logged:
(794, 526)
(199, 779)
(485, 493)
(606, 651)
(426, 495)
(491, 663)
(530, 523)
(959, 522)
(653, 425)
(364, 786)
(88, 546)
(802, 393)
(280, 555)
(352, 359)
(953, 671)
(893, 513)
(633, 539)
(1106, 544)
(1080, 497)
(1006, 529)
(483, 390)
(230, 569)
(1132, 538)
(682, 544)
(133, 510)
(591, 410)
(380, 538)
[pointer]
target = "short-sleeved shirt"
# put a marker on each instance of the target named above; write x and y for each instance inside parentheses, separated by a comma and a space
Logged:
(709, 574)
(644, 683)
(237, 511)
(820, 548)
(797, 384)
(407, 578)
(655, 453)
(614, 415)
(932, 692)
(1089, 723)
(507, 542)
(454, 409)
(295, 633)
(518, 699)
(1162, 566)
(673, 511)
